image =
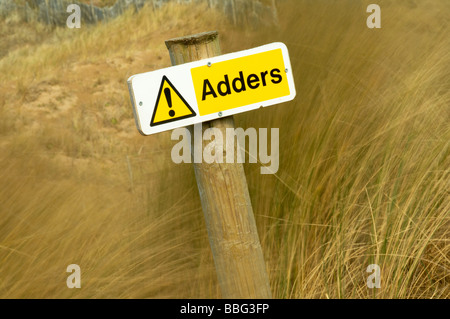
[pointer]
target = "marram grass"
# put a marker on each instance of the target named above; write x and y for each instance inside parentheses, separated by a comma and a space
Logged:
(364, 158)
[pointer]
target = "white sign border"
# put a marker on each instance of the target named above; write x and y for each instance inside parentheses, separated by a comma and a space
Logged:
(190, 96)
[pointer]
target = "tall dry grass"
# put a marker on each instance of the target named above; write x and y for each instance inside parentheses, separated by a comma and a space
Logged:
(364, 158)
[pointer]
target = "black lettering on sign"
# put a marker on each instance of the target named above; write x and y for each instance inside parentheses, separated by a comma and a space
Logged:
(274, 75)
(211, 90)
(263, 77)
(241, 80)
(238, 84)
(253, 78)
(227, 86)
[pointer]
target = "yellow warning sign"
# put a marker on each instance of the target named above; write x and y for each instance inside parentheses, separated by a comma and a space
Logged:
(242, 81)
(170, 105)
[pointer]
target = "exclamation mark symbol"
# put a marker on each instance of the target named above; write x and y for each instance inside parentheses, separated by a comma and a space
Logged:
(169, 101)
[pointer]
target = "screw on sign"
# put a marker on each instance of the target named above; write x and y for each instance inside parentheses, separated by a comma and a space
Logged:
(204, 86)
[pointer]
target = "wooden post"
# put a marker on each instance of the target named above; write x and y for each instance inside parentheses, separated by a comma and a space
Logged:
(232, 232)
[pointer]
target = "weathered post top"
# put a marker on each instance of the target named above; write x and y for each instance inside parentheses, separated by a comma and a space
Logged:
(202, 38)
(193, 47)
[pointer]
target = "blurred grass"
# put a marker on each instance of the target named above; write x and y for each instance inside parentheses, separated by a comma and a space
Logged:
(364, 158)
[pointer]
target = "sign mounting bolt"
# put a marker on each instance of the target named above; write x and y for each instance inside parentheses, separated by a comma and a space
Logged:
(286, 70)
(140, 103)
(220, 113)
(209, 63)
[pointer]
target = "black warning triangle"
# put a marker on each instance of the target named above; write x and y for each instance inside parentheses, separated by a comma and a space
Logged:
(170, 106)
